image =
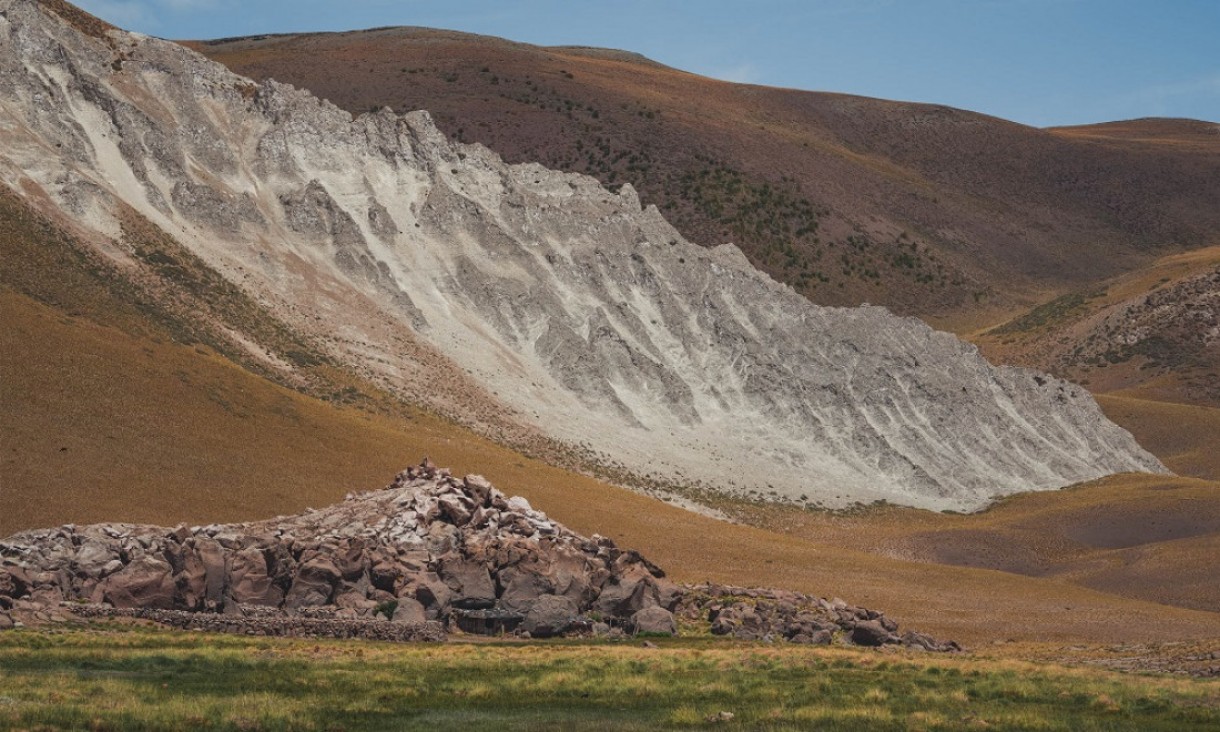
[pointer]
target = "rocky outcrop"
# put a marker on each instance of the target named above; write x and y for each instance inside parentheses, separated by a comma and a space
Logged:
(782, 615)
(426, 546)
(584, 315)
(428, 552)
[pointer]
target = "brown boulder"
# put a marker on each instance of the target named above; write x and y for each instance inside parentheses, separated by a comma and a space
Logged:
(550, 615)
(871, 633)
(211, 555)
(628, 594)
(93, 557)
(350, 560)
(455, 509)
(144, 582)
(14, 582)
(522, 587)
(249, 583)
(386, 574)
(470, 582)
(479, 489)
(352, 598)
(314, 584)
(654, 620)
(409, 610)
(431, 592)
(191, 581)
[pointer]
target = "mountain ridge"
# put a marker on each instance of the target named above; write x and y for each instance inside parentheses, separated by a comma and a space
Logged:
(950, 215)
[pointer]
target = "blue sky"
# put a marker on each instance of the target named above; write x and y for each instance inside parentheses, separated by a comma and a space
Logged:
(1040, 62)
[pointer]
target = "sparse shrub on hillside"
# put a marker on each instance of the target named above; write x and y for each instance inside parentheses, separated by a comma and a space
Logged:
(386, 609)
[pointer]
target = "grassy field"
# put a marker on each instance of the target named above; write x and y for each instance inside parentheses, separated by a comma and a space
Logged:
(139, 678)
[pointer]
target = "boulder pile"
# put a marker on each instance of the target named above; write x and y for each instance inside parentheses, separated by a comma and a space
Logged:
(783, 615)
(427, 554)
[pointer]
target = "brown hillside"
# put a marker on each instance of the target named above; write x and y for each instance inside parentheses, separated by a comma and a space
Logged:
(1152, 131)
(947, 214)
(1154, 333)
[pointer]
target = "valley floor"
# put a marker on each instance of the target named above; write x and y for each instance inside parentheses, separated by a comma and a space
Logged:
(138, 678)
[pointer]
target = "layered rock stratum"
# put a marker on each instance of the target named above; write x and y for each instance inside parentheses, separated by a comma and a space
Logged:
(475, 287)
(429, 553)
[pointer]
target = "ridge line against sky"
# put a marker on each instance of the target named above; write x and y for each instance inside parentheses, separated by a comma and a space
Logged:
(1038, 62)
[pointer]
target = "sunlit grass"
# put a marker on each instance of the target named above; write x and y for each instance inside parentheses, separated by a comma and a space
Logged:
(146, 679)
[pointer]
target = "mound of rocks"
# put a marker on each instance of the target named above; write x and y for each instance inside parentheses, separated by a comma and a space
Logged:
(782, 615)
(427, 554)
(429, 547)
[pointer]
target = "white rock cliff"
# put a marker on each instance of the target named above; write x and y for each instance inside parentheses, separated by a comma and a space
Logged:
(590, 318)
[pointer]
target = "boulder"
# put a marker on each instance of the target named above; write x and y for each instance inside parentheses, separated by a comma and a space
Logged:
(550, 615)
(385, 574)
(409, 610)
(871, 633)
(654, 619)
(479, 489)
(93, 557)
(738, 620)
(6, 621)
(211, 555)
(431, 592)
(350, 560)
(455, 509)
(470, 582)
(628, 594)
(249, 583)
(314, 584)
(14, 582)
(146, 582)
(191, 581)
(352, 598)
(522, 587)
(920, 641)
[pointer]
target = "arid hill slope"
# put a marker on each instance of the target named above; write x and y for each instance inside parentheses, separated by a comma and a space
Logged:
(943, 213)
(299, 237)
(1151, 334)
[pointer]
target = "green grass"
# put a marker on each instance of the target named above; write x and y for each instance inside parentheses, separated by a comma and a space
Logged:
(1054, 312)
(144, 679)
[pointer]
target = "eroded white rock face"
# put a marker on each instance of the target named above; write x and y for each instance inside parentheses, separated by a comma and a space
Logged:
(590, 317)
